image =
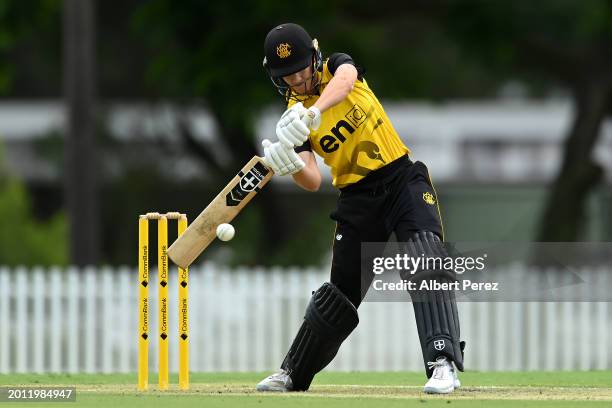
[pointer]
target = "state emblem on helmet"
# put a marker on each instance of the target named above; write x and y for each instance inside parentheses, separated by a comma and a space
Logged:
(283, 50)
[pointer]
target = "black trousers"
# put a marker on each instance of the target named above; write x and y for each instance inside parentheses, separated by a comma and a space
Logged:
(397, 198)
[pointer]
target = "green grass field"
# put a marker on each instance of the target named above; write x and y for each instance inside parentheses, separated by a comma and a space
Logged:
(354, 390)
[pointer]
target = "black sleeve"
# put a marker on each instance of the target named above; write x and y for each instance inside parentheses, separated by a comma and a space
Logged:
(339, 58)
(306, 147)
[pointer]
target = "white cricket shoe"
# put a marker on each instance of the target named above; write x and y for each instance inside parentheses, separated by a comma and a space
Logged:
(444, 379)
(279, 382)
(456, 377)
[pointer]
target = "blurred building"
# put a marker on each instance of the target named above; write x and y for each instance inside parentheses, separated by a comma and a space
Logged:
(485, 141)
(491, 160)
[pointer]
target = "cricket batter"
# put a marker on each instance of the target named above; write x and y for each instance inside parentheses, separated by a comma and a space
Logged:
(333, 112)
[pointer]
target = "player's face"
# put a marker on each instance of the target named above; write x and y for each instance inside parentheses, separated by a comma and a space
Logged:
(301, 81)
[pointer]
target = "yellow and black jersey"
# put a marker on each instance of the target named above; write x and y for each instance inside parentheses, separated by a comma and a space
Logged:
(355, 136)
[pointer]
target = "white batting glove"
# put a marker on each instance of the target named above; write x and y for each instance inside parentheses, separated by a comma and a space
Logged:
(290, 129)
(299, 108)
(281, 160)
(312, 118)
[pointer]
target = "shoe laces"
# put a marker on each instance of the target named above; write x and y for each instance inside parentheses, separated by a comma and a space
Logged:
(276, 375)
(438, 366)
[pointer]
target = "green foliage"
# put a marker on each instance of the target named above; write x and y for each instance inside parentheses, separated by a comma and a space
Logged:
(6, 41)
(214, 50)
(24, 240)
(548, 37)
(30, 33)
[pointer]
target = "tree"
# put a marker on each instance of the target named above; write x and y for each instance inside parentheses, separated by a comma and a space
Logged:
(564, 41)
(23, 240)
(29, 47)
(80, 157)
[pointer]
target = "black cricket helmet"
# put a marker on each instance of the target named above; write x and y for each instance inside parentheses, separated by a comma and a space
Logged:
(288, 48)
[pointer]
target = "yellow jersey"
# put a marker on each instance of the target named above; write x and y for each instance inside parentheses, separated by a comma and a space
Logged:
(356, 135)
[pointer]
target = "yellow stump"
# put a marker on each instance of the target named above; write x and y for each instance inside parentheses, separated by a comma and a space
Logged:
(162, 246)
(183, 280)
(143, 303)
(143, 293)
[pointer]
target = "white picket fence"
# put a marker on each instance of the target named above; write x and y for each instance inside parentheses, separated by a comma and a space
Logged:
(72, 320)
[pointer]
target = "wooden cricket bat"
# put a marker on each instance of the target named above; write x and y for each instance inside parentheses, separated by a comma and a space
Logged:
(230, 201)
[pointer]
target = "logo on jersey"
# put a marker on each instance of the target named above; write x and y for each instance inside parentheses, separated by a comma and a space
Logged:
(283, 50)
(429, 198)
(355, 117)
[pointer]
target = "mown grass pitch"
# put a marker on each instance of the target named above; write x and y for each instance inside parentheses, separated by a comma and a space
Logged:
(354, 390)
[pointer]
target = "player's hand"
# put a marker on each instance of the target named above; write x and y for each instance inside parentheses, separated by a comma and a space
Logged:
(281, 160)
(312, 118)
(290, 129)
